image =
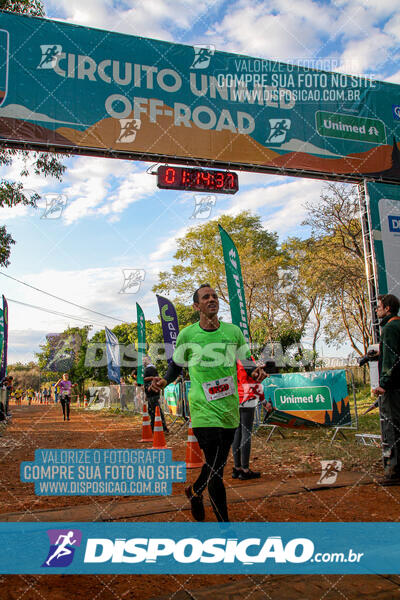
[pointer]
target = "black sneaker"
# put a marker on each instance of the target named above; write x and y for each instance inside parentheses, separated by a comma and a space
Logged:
(196, 503)
(236, 472)
(249, 474)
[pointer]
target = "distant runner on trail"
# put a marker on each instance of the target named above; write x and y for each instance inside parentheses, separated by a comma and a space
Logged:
(30, 394)
(18, 396)
(65, 386)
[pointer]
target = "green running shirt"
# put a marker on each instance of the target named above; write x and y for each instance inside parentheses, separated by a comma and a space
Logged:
(211, 357)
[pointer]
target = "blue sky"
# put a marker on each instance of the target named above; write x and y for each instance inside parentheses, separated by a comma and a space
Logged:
(115, 217)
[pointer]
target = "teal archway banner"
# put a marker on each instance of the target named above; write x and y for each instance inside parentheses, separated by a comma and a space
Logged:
(384, 206)
(81, 90)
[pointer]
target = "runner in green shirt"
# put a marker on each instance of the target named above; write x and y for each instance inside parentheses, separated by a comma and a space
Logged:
(210, 349)
(211, 357)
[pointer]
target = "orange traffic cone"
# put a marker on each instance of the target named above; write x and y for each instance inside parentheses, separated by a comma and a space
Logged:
(194, 457)
(85, 404)
(147, 434)
(158, 437)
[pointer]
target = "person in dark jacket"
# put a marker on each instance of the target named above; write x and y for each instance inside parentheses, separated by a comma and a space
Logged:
(389, 386)
(152, 398)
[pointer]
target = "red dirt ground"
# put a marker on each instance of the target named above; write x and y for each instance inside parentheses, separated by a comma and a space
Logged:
(42, 427)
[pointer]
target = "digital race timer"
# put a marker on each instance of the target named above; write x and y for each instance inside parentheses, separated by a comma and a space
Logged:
(197, 180)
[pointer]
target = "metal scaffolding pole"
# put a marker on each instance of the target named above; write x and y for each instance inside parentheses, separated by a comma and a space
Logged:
(369, 255)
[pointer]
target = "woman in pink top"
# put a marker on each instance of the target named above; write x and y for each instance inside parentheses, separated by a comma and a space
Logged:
(64, 385)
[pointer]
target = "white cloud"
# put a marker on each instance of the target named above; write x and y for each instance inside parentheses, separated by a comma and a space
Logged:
(32, 181)
(395, 78)
(266, 30)
(392, 27)
(9, 213)
(288, 31)
(22, 344)
(100, 186)
(32, 184)
(374, 10)
(153, 18)
(283, 203)
(133, 188)
(95, 288)
(165, 248)
(369, 55)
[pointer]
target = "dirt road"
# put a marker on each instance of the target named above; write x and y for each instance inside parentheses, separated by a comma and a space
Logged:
(281, 495)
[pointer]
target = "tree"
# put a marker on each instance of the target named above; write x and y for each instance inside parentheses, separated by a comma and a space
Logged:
(338, 265)
(42, 163)
(304, 299)
(126, 334)
(200, 260)
(65, 352)
(23, 7)
(25, 375)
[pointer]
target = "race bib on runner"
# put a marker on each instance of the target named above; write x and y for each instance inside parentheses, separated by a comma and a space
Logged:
(220, 388)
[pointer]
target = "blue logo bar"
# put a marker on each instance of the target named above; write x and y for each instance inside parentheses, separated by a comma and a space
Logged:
(201, 548)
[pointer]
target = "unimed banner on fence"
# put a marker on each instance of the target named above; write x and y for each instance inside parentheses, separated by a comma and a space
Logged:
(384, 202)
(305, 400)
(86, 90)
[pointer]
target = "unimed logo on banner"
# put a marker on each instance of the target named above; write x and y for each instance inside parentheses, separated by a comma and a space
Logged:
(303, 398)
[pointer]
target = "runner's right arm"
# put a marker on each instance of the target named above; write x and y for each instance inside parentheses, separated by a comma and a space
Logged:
(159, 383)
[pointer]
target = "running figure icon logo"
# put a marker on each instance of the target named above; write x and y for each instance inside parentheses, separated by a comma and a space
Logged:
(202, 56)
(330, 470)
(55, 204)
(132, 280)
(203, 206)
(50, 53)
(62, 547)
(279, 129)
(129, 128)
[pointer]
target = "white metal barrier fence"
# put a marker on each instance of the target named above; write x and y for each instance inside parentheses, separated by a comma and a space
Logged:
(124, 397)
(130, 397)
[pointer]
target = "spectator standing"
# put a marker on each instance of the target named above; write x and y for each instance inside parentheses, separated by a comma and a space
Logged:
(389, 386)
